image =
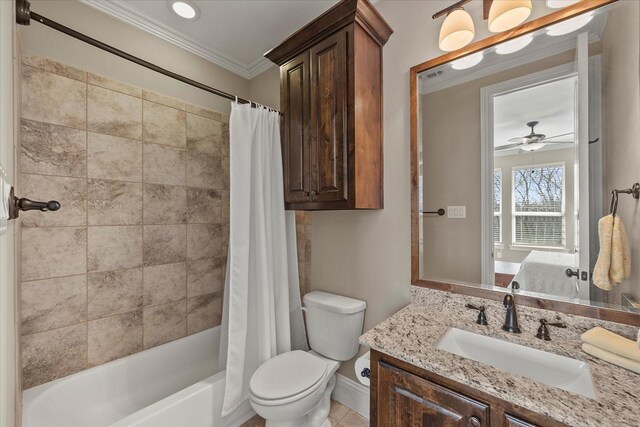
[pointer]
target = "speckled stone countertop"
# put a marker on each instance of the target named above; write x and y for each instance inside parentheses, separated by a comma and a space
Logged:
(412, 334)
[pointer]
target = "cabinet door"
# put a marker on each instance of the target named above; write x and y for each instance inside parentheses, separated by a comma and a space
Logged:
(296, 153)
(329, 118)
(408, 400)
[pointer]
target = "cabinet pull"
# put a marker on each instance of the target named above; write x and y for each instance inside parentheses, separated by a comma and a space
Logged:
(474, 422)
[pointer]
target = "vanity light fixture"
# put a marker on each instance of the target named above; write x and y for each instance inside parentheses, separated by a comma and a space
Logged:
(507, 14)
(570, 25)
(559, 4)
(184, 9)
(457, 30)
(514, 45)
(467, 61)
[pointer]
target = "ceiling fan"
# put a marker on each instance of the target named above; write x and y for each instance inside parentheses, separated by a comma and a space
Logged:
(534, 141)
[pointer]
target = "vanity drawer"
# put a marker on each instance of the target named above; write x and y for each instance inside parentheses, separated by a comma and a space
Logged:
(408, 400)
(513, 421)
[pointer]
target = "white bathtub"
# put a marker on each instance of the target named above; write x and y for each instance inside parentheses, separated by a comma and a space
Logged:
(177, 384)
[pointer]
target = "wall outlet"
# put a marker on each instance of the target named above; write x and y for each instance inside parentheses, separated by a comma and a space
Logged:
(498, 254)
(456, 211)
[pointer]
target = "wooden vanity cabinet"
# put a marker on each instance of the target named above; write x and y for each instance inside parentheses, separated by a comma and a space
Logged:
(403, 395)
(331, 101)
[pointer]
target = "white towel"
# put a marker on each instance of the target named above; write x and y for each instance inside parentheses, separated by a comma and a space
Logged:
(614, 260)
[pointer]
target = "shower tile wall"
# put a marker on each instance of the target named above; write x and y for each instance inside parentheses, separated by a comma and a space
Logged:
(136, 256)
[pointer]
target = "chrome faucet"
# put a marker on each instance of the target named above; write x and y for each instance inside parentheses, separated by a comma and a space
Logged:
(511, 319)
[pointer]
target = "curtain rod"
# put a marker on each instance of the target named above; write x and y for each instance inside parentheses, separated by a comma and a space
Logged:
(24, 15)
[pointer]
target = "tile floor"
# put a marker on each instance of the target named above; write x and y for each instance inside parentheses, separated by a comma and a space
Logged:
(340, 416)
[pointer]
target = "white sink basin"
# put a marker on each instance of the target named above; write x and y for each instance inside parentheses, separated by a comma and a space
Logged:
(558, 371)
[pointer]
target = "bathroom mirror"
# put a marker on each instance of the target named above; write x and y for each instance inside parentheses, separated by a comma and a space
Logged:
(517, 144)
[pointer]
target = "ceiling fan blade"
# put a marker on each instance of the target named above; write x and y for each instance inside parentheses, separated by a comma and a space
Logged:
(507, 147)
(519, 139)
(559, 142)
(557, 136)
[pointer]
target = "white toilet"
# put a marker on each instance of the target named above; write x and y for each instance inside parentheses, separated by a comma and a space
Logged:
(294, 389)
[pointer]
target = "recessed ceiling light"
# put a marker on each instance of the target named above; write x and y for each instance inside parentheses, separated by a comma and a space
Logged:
(184, 9)
(570, 25)
(467, 61)
(514, 45)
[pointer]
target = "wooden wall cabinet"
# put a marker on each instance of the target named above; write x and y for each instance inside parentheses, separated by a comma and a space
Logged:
(403, 395)
(331, 101)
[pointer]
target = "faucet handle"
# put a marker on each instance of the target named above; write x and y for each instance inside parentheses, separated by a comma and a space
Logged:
(482, 317)
(543, 331)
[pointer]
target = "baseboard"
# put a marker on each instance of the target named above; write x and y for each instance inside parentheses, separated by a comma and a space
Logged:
(352, 394)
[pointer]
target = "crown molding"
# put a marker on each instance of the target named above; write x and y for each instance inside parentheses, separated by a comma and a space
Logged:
(120, 10)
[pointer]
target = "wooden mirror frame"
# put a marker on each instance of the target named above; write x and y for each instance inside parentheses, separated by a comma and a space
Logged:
(592, 311)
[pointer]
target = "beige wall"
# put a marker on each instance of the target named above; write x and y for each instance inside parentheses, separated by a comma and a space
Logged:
(46, 42)
(451, 156)
(265, 88)
(136, 255)
(621, 113)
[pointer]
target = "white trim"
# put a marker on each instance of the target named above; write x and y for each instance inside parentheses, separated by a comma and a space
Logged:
(486, 153)
(130, 15)
(352, 394)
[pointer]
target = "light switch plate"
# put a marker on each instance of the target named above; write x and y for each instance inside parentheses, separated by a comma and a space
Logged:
(456, 211)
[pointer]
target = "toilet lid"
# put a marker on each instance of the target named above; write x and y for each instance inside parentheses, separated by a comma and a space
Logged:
(286, 375)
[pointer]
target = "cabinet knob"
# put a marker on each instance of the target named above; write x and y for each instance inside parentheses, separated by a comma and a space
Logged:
(474, 422)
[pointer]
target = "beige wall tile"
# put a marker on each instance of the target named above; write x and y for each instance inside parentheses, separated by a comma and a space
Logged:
(204, 135)
(163, 125)
(114, 337)
(205, 241)
(164, 100)
(164, 323)
(53, 303)
(114, 247)
(203, 206)
(114, 202)
(114, 113)
(51, 98)
(53, 354)
(164, 165)
(204, 312)
(165, 283)
(205, 276)
(70, 192)
(203, 170)
(50, 65)
(112, 157)
(108, 83)
(164, 244)
(52, 150)
(165, 204)
(114, 292)
(201, 111)
(53, 252)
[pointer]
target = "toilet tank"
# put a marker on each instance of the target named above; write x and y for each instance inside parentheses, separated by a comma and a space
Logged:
(334, 324)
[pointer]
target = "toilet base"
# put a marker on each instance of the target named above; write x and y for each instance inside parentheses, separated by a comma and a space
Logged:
(317, 417)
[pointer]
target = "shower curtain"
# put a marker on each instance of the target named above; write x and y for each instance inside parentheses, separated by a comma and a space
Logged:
(262, 314)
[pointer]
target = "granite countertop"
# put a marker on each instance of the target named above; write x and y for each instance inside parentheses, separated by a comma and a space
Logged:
(412, 334)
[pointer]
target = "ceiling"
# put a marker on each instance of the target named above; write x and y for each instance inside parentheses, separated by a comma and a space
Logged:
(232, 34)
(552, 104)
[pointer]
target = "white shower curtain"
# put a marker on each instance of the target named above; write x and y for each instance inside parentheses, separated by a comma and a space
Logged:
(262, 314)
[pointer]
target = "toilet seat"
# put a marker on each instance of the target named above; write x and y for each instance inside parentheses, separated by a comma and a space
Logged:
(287, 377)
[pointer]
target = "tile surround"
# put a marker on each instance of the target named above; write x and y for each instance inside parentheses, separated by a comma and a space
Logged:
(115, 156)
(141, 248)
